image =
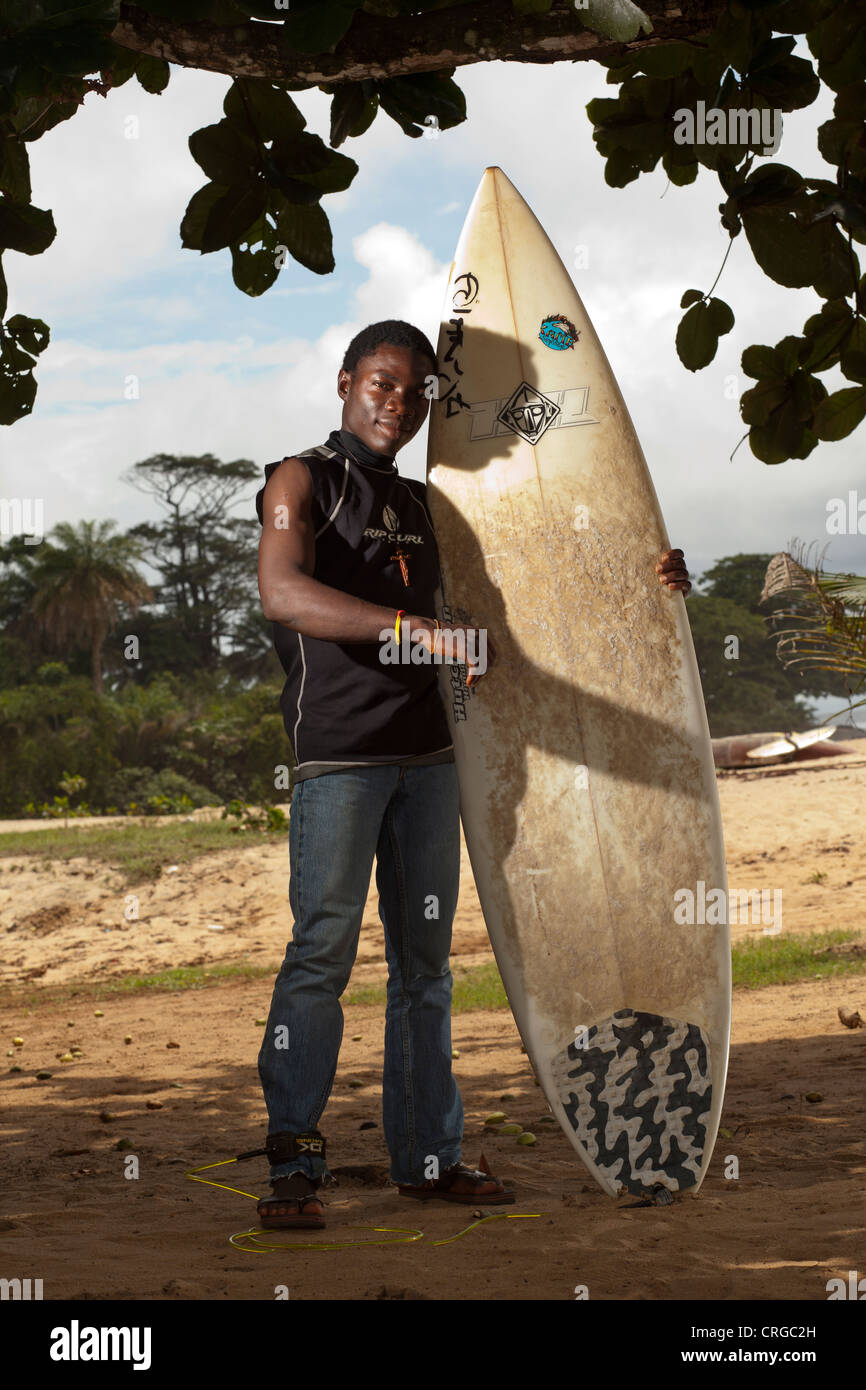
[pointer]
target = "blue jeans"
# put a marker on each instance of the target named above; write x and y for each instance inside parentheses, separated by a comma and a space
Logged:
(409, 818)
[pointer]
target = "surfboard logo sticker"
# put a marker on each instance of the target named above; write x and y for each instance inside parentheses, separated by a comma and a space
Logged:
(465, 292)
(528, 412)
(558, 332)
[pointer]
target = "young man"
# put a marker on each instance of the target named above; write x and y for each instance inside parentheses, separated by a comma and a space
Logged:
(347, 545)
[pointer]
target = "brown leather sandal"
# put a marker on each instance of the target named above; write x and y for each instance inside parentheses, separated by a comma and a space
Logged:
(476, 1179)
(300, 1200)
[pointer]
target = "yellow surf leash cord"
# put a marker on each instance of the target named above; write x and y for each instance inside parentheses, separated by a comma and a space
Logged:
(405, 1235)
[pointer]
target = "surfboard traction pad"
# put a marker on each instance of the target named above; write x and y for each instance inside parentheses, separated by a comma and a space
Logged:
(637, 1096)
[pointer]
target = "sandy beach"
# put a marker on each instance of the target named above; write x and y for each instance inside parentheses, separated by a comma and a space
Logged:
(791, 1220)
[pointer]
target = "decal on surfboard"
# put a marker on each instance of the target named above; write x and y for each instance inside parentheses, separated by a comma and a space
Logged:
(637, 1094)
(465, 293)
(528, 413)
(558, 332)
(573, 402)
(460, 692)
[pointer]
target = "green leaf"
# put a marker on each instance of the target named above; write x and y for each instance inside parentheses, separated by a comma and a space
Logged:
(806, 393)
(17, 392)
(16, 358)
(254, 271)
(667, 60)
(616, 19)
(36, 115)
(31, 334)
(841, 413)
(15, 169)
(758, 403)
(783, 437)
(269, 109)
(691, 297)
(411, 101)
(699, 332)
(307, 159)
(352, 112)
(306, 232)
(196, 215)
(152, 73)
(767, 186)
(853, 364)
(232, 215)
(759, 360)
(621, 169)
(787, 85)
(226, 154)
(25, 228)
(122, 66)
(783, 250)
(316, 26)
(679, 172)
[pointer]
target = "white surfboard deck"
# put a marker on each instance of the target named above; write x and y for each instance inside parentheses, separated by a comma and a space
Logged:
(790, 743)
(587, 785)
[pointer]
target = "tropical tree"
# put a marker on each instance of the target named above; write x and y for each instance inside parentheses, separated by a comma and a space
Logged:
(693, 83)
(206, 558)
(83, 574)
(820, 624)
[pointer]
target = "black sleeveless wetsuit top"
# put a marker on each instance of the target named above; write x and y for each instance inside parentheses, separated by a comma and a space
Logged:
(342, 706)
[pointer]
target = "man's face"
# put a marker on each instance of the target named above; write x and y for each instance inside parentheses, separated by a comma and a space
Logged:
(383, 398)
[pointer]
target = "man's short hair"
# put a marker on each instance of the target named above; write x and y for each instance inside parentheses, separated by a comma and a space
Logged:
(395, 332)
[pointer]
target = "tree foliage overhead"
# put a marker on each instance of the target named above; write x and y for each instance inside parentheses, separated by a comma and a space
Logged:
(266, 175)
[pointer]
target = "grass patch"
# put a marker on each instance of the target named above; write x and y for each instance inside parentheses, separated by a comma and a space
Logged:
(478, 988)
(789, 959)
(782, 960)
(138, 852)
(180, 977)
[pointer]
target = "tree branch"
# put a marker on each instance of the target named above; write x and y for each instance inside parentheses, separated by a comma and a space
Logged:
(381, 48)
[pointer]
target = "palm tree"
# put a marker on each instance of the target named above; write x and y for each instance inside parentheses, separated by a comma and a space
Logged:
(823, 624)
(83, 573)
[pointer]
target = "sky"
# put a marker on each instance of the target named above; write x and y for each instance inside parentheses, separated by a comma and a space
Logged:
(236, 377)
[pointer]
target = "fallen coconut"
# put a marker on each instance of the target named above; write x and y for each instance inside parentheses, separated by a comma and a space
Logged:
(497, 1118)
(526, 1137)
(511, 1129)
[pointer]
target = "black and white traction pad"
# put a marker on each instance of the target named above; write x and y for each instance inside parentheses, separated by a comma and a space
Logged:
(638, 1094)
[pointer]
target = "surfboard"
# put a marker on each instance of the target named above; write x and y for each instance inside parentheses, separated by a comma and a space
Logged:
(731, 750)
(587, 786)
(791, 744)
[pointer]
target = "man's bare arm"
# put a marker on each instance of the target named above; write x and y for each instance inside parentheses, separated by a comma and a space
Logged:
(287, 556)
